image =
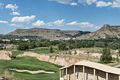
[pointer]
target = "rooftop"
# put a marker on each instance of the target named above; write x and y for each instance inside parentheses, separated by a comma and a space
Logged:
(98, 66)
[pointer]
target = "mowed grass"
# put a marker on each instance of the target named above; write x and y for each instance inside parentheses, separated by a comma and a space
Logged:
(30, 64)
(41, 50)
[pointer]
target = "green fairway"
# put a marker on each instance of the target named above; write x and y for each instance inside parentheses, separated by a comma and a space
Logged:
(30, 64)
(41, 50)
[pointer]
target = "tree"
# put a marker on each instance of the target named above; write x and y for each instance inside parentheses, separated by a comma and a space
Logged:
(62, 46)
(31, 45)
(114, 45)
(99, 44)
(117, 58)
(51, 50)
(23, 46)
(106, 56)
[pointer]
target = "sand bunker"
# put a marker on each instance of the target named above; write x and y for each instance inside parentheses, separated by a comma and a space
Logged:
(32, 72)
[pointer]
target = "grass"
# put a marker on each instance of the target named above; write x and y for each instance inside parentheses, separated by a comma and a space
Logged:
(30, 64)
(26, 76)
(41, 50)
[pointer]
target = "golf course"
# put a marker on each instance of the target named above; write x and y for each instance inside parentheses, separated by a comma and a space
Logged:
(30, 64)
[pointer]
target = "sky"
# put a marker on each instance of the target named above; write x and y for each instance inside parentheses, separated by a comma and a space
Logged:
(84, 15)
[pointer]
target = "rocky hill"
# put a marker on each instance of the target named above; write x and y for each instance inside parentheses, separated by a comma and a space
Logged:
(52, 34)
(107, 31)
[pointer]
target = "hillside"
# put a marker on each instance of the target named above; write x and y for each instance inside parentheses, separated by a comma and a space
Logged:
(52, 34)
(107, 31)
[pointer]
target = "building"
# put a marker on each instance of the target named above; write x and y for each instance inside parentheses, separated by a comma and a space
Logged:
(86, 70)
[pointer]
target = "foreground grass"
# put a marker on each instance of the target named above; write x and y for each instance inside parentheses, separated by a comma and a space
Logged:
(30, 64)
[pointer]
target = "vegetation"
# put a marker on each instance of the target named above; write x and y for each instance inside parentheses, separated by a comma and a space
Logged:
(71, 44)
(41, 50)
(65, 45)
(106, 56)
(29, 64)
(15, 53)
(51, 50)
(62, 46)
(23, 46)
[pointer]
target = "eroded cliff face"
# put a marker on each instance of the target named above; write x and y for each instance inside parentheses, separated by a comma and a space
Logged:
(51, 34)
(56, 59)
(60, 59)
(5, 55)
(107, 31)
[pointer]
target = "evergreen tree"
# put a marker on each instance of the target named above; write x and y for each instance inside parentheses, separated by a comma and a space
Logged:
(51, 50)
(106, 56)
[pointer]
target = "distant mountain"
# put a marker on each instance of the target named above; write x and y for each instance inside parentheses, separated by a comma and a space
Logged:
(51, 34)
(107, 31)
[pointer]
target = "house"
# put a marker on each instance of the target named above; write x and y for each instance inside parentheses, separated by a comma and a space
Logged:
(86, 70)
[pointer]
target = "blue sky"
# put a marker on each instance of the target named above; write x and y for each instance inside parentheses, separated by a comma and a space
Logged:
(86, 15)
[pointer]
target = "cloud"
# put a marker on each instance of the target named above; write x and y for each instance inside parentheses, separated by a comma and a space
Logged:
(82, 25)
(56, 23)
(59, 22)
(103, 4)
(3, 22)
(89, 2)
(68, 2)
(116, 3)
(97, 3)
(15, 13)
(13, 7)
(23, 19)
(38, 23)
(73, 4)
(62, 1)
(62, 22)
(19, 22)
